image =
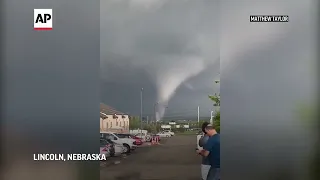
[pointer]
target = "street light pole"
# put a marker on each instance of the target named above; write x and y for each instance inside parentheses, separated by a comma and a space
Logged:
(141, 106)
(155, 111)
(198, 116)
(155, 114)
(211, 119)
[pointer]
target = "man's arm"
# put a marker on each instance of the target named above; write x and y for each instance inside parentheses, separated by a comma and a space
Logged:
(204, 153)
(203, 140)
(206, 149)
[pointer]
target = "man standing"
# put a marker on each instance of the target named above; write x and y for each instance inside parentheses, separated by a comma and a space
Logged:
(212, 151)
(205, 164)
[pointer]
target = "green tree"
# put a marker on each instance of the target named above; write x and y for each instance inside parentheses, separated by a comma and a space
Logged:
(216, 121)
(216, 99)
(216, 102)
(150, 128)
(308, 114)
(134, 122)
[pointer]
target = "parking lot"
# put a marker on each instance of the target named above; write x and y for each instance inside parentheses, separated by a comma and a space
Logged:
(173, 159)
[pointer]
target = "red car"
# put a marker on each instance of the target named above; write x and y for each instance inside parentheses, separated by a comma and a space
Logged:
(138, 140)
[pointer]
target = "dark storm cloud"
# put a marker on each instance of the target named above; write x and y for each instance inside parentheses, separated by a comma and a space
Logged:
(172, 48)
(167, 41)
(266, 68)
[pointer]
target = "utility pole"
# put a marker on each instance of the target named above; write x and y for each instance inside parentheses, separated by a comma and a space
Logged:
(155, 111)
(198, 116)
(141, 106)
(155, 115)
(217, 101)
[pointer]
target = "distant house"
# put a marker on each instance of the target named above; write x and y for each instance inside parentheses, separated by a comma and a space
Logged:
(113, 120)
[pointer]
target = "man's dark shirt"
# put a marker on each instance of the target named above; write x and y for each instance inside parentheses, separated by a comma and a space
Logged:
(213, 146)
(203, 140)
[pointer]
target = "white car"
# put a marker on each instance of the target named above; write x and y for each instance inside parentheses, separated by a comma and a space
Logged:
(169, 132)
(199, 136)
(127, 143)
(144, 136)
(163, 134)
(117, 149)
(136, 131)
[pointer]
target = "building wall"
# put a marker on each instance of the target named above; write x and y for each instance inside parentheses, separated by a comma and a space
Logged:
(121, 121)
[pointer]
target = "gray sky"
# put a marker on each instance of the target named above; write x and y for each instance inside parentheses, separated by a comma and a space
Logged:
(174, 49)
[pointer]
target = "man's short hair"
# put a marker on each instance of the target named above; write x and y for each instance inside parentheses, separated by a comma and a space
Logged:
(203, 127)
(209, 127)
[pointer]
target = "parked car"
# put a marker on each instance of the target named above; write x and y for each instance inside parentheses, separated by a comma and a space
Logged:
(136, 131)
(135, 137)
(169, 131)
(144, 136)
(114, 148)
(199, 136)
(104, 150)
(138, 141)
(109, 147)
(128, 143)
(163, 134)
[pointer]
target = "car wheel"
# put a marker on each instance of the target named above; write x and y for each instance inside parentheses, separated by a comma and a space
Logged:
(167, 135)
(127, 148)
(148, 138)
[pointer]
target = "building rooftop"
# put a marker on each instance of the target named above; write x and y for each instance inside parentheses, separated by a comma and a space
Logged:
(108, 110)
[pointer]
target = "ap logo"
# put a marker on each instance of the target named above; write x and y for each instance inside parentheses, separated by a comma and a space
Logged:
(42, 19)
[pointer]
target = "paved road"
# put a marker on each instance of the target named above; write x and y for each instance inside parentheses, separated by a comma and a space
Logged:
(174, 159)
